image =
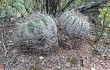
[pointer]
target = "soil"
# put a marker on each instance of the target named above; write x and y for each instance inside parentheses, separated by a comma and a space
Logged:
(79, 58)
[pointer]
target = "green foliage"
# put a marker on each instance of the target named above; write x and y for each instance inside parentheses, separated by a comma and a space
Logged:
(29, 5)
(19, 8)
(105, 17)
(78, 2)
(3, 3)
(63, 3)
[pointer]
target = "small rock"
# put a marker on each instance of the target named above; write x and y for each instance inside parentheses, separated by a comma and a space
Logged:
(93, 69)
(85, 63)
(74, 60)
(2, 67)
(41, 58)
(14, 51)
(68, 64)
(58, 67)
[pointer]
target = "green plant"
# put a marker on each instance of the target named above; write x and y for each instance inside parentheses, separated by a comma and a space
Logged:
(105, 18)
(19, 8)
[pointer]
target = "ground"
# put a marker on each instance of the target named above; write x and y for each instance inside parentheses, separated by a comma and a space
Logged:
(79, 58)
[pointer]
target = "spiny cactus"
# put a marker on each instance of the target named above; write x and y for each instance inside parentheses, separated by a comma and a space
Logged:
(38, 34)
(73, 27)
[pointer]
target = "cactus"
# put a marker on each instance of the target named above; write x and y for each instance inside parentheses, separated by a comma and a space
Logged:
(42, 34)
(38, 34)
(73, 27)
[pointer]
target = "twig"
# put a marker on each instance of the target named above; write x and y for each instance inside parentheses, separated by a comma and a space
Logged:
(90, 6)
(1, 47)
(9, 63)
(3, 41)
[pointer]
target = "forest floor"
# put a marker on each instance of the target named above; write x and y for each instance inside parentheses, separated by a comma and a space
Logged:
(83, 57)
(80, 58)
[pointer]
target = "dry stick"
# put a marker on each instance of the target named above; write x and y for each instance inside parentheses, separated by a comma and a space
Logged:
(10, 62)
(3, 34)
(5, 50)
(90, 6)
(1, 47)
(47, 6)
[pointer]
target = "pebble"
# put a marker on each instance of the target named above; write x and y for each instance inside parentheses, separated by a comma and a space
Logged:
(41, 57)
(85, 63)
(68, 64)
(2, 67)
(93, 69)
(14, 51)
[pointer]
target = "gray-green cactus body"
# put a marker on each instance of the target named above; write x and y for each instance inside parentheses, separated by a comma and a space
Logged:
(41, 31)
(75, 23)
(73, 27)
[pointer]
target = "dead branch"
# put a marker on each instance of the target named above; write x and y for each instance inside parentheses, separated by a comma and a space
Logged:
(90, 6)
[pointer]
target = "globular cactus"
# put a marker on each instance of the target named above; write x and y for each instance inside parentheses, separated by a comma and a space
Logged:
(37, 35)
(73, 27)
